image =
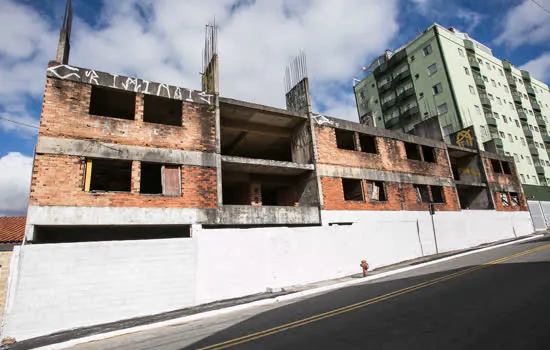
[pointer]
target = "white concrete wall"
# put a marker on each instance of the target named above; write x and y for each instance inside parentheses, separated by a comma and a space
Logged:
(69, 285)
(538, 214)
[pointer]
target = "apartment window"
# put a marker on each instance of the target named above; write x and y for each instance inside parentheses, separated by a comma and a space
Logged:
(499, 101)
(502, 135)
(536, 128)
(472, 90)
(412, 151)
(516, 137)
(477, 109)
(511, 106)
(466, 71)
(160, 179)
(517, 123)
(501, 72)
(504, 199)
(108, 175)
(460, 52)
(429, 154)
(113, 103)
(494, 83)
(437, 88)
(510, 138)
(504, 119)
(495, 114)
(480, 61)
(529, 161)
(353, 190)
(432, 68)
(162, 110)
(491, 97)
(488, 65)
(485, 78)
(522, 177)
(442, 109)
(514, 199)
(506, 89)
(427, 50)
(345, 139)
(528, 178)
(437, 194)
(376, 191)
(516, 158)
(422, 193)
(367, 143)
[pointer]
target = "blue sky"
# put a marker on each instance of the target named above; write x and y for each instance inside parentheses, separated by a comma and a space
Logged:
(161, 40)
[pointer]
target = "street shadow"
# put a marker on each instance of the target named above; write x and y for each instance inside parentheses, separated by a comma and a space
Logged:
(502, 306)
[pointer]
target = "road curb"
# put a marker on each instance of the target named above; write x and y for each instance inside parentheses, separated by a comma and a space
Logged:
(296, 295)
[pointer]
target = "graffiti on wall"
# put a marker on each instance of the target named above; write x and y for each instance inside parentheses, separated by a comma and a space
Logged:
(464, 138)
(320, 119)
(90, 76)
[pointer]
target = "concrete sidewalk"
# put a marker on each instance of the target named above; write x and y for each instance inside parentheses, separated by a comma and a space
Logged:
(72, 337)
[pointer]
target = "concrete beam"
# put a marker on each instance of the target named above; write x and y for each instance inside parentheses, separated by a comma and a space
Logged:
(504, 188)
(469, 183)
(380, 175)
(497, 156)
(267, 215)
(95, 149)
(256, 128)
(262, 108)
(264, 166)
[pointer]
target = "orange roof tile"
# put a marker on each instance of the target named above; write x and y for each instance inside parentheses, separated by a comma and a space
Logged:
(12, 228)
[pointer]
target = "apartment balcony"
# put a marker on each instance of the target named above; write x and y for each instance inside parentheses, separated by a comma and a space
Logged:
(479, 80)
(511, 80)
(389, 103)
(530, 91)
(485, 100)
(397, 58)
(390, 123)
(469, 45)
(517, 97)
(402, 76)
(405, 94)
(473, 62)
(491, 121)
(539, 169)
(384, 87)
(493, 131)
(541, 123)
(546, 138)
(535, 105)
(507, 65)
(525, 75)
(498, 142)
(522, 116)
(410, 113)
(528, 133)
(534, 150)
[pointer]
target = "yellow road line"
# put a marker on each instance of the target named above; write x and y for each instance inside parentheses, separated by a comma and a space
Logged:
(348, 308)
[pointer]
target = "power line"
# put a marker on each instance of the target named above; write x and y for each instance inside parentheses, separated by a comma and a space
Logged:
(539, 5)
(16, 122)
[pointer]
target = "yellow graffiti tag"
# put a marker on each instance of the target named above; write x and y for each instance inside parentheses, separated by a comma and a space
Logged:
(464, 139)
(469, 171)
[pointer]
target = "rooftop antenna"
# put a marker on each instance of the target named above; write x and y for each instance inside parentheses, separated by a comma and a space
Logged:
(64, 46)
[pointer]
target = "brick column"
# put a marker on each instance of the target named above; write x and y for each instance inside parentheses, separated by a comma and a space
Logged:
(139, 107)
(136, 177)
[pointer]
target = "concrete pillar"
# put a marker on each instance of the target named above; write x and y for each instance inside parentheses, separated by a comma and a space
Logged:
(136, 177)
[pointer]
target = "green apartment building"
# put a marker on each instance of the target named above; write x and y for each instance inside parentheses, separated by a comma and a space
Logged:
(446, 74)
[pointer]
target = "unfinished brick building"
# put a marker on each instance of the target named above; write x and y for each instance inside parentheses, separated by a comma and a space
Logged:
(158, 184)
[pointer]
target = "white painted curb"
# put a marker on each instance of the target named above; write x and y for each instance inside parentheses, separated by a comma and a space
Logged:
(262, 302)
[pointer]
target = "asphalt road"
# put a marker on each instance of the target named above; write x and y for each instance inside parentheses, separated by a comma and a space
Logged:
(499, 299)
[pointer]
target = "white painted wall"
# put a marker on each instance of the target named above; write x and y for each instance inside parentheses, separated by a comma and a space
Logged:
(538, 215)
(69, 285)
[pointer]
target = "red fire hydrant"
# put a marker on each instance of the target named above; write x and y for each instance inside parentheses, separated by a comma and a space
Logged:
(365, 267)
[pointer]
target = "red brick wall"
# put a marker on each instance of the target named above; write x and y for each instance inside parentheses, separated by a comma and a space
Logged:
(500, 178)
(500, 207)
(391, 156)
(59, 180)
(399, 197)
(65, 115)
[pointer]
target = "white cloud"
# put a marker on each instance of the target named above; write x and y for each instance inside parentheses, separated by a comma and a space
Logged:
(449, 13)
(539, 67)
(15, 178)
(526, 23)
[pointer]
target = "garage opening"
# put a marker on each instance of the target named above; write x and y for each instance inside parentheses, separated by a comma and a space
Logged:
(412, 151)
(162, 110)
(110, 175)
(113, 103)
(429, 154)
(345, 139)
(96, 233)
(368, 143)
(353, 190)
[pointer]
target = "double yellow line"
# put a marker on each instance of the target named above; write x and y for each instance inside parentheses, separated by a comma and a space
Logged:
(315, 318)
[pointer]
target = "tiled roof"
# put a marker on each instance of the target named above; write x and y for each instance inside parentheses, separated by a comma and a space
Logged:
(12, 229)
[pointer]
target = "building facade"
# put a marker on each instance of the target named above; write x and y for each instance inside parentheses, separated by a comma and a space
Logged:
(445, 74)
(148, 198)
